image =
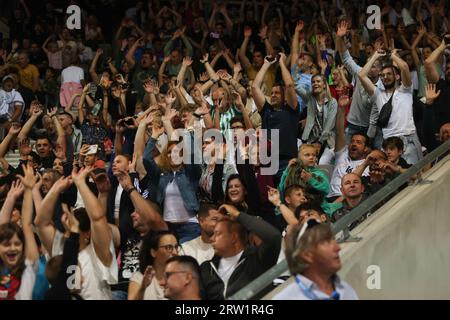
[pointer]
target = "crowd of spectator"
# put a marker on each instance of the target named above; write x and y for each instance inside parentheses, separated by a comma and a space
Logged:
(99, 118)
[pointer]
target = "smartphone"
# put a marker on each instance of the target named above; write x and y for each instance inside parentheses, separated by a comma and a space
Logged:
(447, 39)
(92, 149)
(129, 122)
(125, 86)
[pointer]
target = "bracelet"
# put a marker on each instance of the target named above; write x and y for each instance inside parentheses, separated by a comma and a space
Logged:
(129, 191)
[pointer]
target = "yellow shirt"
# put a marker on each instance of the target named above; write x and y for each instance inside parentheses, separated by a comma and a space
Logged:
(27, 74)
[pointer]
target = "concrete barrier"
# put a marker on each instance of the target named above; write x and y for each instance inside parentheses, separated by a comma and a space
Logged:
(405, 248)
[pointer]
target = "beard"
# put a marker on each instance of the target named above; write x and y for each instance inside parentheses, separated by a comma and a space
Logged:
(389, 85)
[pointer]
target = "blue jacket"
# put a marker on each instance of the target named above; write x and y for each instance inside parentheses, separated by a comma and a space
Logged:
(187, 179)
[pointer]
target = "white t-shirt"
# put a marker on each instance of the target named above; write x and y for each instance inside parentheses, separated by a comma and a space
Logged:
(343, 165)
(199, 250)
(96, 278)
(8, 101)
(154, 291)
(174, 209)
(401, 122)
(117, 202)
(72, 74)
(227, 266)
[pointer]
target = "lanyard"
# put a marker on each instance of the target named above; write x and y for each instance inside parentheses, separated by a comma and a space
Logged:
(311, 295)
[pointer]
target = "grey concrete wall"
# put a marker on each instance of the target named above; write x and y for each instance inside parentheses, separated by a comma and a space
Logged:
(409, 240)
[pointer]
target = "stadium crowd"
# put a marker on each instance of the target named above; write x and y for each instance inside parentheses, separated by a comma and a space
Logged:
(126, 164)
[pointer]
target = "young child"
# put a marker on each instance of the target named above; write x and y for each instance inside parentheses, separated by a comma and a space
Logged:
(303, 171)
(393, 147)
(294, 197)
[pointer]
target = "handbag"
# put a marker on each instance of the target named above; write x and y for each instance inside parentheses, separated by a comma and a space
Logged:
(385, 113)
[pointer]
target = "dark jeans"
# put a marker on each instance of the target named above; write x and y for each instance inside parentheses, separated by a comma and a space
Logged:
(185, 231)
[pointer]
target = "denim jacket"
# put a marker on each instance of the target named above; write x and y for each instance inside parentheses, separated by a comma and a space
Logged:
(329, 117)
(187, 179)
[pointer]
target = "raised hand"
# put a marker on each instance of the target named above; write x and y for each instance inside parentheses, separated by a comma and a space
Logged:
(273, 195)
(422, 30)
(59, 152)
(342, 28)
(166, 59)
(344, 100)
(36, 108)
(170, 98)
(270, 60)
(431, 94)
(263, 32)
(203, 77)
(170, 114)
(124, 179)
(102, 182)
(79, 176)
(237, 68)
(237, 99)
(282, 58)
(187, 61)
(151, 87)
(15, 128)
(52, 111)
(157, 131)
(62, 184)
(147, 279)
(299, 26)
(229, 209)
(99, 52)
(15, 45)
(29, 179)
(247, 32)
(205, 58)
(16, 190)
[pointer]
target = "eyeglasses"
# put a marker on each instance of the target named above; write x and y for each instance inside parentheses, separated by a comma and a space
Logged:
(168, 274)
(237, 127)
(171, 247)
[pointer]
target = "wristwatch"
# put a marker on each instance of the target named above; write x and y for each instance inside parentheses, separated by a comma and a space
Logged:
(129, 191)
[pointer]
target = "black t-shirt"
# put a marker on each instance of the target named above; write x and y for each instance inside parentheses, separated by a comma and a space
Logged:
(440, 107)
(286, 120)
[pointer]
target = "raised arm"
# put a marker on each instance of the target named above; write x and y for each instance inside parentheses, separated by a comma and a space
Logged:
(243, 50)
(430, 62)
(422, 31)
(142, 206)
(363, 74)
(93, 66)
(12, 134)
(404, 69)
(258, 95)
(212, 74)
(129, 57)
(274, 197)
(263, 35)
(14, 193)
(291, 96)
(28, 181)
(36, 111)
(61, 139)
(340, 123)
(101, 234)
(44, 213)
(295, 40)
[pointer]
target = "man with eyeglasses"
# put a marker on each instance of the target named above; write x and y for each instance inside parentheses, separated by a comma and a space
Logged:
(400, 120)
(181, 279)
(312, 254)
